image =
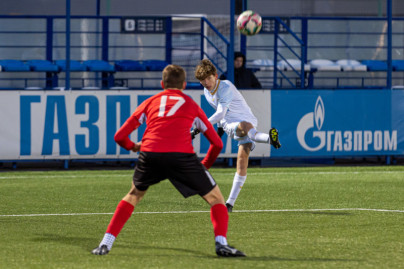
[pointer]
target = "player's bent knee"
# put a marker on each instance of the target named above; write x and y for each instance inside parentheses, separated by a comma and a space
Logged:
(136, 193)
(243, 128)
(214, 197)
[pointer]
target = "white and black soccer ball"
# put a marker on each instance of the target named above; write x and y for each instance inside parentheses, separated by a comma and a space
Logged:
(249, 23)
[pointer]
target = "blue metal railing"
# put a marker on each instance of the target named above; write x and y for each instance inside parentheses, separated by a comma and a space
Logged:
(301, 57)
(356, 38)
(214, 46)
(305, 38)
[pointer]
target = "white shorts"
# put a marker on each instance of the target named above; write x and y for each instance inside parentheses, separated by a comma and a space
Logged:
(230, 129)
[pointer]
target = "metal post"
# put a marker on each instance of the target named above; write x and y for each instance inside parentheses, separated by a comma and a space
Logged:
(169, 42)
(230, 50)
(98, 7)
(202, 38)
(67, 86)
(107, 79)
(304, 53)
(275, 76)
(51, 78)
(389, 43)
(243, 38)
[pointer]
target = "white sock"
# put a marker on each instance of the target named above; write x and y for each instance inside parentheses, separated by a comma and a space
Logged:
(238, 183)
(108, 240)
(221, 239)
(259, 137)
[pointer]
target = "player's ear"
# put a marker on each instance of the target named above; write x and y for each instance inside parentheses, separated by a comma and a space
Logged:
(184, 85)
(216, 76)
(162, 84)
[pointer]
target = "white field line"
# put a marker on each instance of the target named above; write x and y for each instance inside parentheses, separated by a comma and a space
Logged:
(236, 211)
(219, 173)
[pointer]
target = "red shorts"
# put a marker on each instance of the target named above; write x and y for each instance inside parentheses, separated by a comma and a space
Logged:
(184, 170)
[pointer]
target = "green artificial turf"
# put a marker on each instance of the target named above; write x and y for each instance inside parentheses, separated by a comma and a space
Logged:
(324, 217)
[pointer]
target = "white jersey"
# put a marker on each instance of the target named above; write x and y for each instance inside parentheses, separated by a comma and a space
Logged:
(226, 95)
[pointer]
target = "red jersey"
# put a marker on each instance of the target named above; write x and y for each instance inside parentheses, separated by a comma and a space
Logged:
(169, 116)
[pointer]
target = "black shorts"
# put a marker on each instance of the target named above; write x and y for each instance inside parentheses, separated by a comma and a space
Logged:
(184, 171)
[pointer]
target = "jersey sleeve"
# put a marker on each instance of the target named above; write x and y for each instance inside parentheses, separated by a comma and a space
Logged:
(209, 132)
(132, 123)
(225, 96)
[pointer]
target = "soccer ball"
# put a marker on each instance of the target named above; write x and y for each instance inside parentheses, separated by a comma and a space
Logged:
(249, 23)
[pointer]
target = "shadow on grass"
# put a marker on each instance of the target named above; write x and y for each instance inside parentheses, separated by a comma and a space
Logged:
(212, 254)
(89, 243)
(301, 259)
(153, 250)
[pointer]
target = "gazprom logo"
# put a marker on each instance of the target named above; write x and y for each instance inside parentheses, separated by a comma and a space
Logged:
(340, 140)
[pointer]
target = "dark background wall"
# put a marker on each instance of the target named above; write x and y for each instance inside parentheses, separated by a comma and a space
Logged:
(210, 7)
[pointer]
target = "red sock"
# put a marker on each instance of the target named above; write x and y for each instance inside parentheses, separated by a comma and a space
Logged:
(122, 214)
(220, 219)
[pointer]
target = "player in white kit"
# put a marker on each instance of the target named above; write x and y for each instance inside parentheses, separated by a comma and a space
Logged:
(233, 116)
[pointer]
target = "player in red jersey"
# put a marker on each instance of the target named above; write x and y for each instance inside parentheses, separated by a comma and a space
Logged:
(166, 151)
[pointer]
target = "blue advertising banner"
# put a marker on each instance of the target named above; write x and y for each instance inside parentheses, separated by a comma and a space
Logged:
(82, 124)
(331, 123)
(312, 123)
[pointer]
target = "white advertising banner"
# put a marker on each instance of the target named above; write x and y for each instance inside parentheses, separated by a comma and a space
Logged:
(81, 124)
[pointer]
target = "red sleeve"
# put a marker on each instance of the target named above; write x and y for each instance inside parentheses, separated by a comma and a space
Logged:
(122, 135)
(216, 146)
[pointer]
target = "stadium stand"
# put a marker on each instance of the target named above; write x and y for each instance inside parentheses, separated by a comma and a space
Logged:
(75, 66)
(398, 65)
(129, 65)
(131, 62)
(324, 65)
(42, 66)
(292, 65)
(155, 65)
(375, 65)
(14, 66)
(351, 65)
(98, 66)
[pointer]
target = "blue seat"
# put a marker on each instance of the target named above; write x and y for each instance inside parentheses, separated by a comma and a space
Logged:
(375, 65)
(99, 66)
(74, 65)
(398, 65)
(13, 66)
(42, 66)
(129, 65)
(155, 65)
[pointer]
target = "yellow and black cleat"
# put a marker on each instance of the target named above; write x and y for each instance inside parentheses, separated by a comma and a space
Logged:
(274, 138)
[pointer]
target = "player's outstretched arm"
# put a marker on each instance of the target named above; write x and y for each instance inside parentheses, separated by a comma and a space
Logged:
(122, 135)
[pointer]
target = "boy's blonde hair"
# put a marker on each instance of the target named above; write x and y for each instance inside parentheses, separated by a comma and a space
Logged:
(204, 69)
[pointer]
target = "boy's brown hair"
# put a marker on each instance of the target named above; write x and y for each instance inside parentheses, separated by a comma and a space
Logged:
(173, 77)
(204, 69)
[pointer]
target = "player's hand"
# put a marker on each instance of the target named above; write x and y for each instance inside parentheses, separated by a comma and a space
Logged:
(220, 131)
(194, 132)
(274, 138)
(136, 147)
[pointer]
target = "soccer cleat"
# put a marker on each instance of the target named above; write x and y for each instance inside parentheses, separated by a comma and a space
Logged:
(101, 250)
(228, 251)
(274, 138)
(229, 207)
